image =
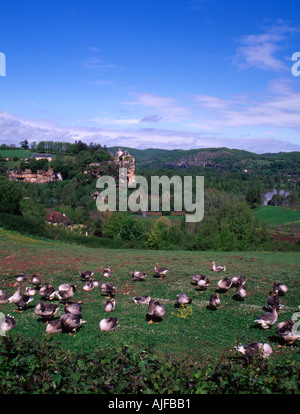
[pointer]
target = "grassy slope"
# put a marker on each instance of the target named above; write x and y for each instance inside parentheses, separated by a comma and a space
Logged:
(196, 332)
(277, 215)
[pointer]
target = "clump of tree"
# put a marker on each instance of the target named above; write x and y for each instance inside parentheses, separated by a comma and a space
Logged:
(124, 226)
(10, 196)
(228, 224)
(34, 165)
(164, 235)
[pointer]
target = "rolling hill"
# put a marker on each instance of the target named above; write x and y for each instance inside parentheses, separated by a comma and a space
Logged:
(219, 158)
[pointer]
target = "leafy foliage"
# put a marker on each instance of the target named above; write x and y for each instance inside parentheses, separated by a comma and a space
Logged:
(42, 367)
(10, 196)
(125, 227)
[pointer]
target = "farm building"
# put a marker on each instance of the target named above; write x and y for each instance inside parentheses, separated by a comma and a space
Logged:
(41, 156)
(57, 218)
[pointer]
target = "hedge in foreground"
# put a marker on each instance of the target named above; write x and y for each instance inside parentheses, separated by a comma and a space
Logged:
(31, 366)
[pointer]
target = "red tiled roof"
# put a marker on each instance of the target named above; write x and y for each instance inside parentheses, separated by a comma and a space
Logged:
(56, 217)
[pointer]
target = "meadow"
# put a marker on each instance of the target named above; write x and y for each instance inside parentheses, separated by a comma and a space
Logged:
(278, 215)
(19, 153)
(195, 332)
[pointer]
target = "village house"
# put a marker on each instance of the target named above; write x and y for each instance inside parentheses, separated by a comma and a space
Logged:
(41, 156)
(58, 219)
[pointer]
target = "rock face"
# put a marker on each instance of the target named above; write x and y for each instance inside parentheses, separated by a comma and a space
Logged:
(204, 159)
(131, 173)
(40, 176)
(121, 160)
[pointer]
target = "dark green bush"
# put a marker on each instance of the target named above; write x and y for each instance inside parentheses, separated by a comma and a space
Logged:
(24, 225)
(32, 366)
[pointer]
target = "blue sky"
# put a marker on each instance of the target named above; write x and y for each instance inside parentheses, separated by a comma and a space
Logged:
(149, 73)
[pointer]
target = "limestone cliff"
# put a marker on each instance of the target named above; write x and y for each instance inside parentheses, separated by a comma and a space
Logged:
(39, 177)
(121, 160)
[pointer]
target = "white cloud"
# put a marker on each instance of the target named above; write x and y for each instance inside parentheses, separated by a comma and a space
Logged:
(206, 122)
(260, 50)
(165, 107)
(94, 63)
(102, 82)
(279, 107)
(113, 121)
(14, 130)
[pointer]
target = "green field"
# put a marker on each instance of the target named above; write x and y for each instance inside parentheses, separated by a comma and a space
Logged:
(15, 153)
(195, 332)
(278, 215)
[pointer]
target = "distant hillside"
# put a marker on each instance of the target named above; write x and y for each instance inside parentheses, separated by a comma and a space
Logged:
(156, 157)
(217, 158)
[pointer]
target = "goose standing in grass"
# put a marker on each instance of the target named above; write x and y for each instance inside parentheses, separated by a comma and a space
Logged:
(30, 291)
(86, 275)
(142, 300)
(253, 348)
(36, 280)
(268, 319)
(281, 288)
(155, 312)
(218, 268)
(47, 291)
(214, 301)
(71, 323)
(64, 286)
(66, 294)
(224, 284)
(198, 277)
(161, 271)
(107, 272)
(241, 292)
(183, 299)
(46, 310)
(74, 308)
(237, 281)
(110, 305)
(4, 297)
(136, 275)
(22, 301)
(109, 324)
(287, 333)
(108, 288)
(95, 283)
(203, 283)
(274, 300)
(53, 326)
(21, 277)
(88, 286)
(7, 323)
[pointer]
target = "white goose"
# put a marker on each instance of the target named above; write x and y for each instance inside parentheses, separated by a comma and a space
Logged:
(183, 299)
(268, 319)
(7, 323)
(108, 324)
(137, 275)
(286, 331)
(224, 284)
(110, 305)
(218, 268)
(203, 283)
(155, 312)
(161, 271)
(253, 348)
(241, 293)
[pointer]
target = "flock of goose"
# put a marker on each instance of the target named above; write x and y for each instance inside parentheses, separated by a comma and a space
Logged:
(72, 320)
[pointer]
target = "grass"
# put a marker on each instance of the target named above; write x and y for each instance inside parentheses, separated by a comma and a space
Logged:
(15, 153)
(278, 215)
(195, 332)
